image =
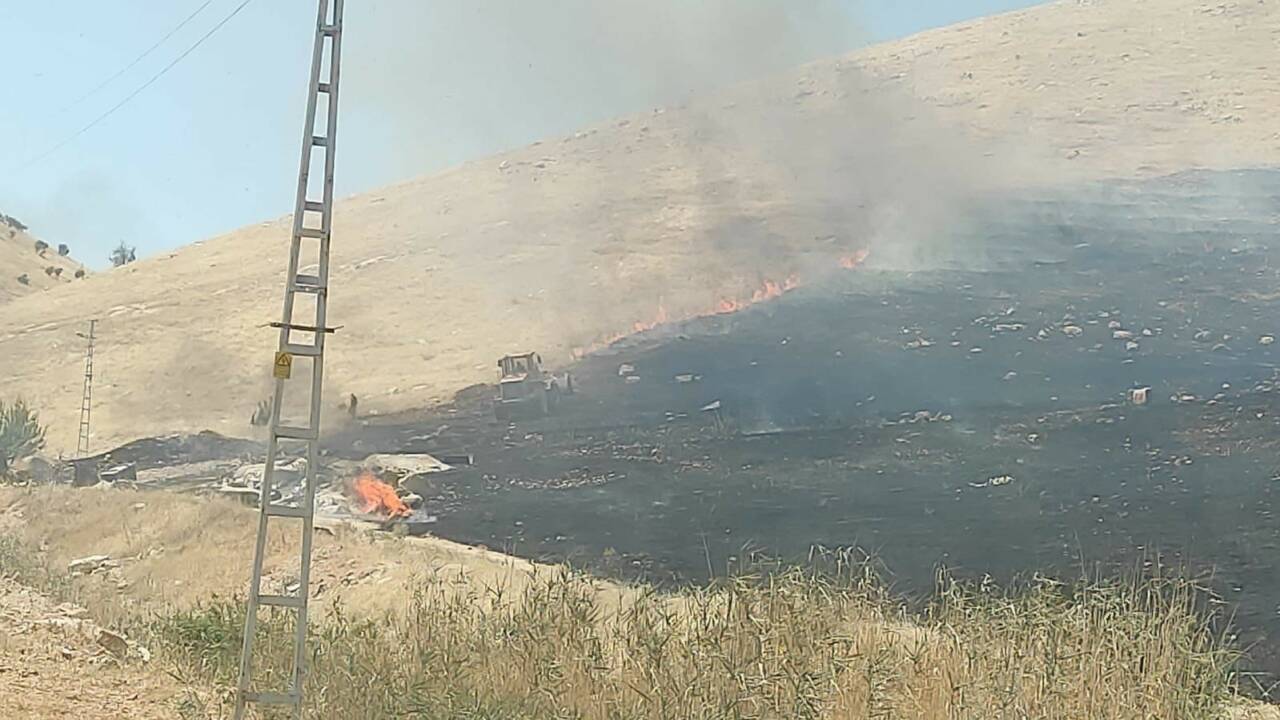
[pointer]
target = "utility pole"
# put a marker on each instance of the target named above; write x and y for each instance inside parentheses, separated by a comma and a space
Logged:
(312, 221)
(86, 398)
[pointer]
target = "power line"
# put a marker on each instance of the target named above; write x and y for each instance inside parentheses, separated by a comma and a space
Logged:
(111, 111)
(140, 58)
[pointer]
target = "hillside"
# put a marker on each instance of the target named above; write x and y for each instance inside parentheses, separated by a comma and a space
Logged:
(668, 212)
(24, 270)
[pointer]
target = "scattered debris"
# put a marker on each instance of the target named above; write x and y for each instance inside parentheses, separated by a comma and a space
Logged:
(113, 643)
(401, 468)
(996, 481)
(91, 564)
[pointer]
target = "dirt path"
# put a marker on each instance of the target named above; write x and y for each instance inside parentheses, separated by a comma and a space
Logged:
(53, 664)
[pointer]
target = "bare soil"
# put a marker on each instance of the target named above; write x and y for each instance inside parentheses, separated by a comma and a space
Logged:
(52, 667)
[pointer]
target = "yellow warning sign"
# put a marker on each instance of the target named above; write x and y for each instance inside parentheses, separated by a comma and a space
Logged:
(284, 365)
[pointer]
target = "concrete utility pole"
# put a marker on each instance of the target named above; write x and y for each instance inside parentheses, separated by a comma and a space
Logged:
(312, 220)
(86, 398)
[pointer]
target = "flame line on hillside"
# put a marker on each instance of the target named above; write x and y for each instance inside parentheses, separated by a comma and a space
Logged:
(769, 290)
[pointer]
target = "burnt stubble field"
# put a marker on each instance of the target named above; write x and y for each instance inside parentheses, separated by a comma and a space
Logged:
(973, 415)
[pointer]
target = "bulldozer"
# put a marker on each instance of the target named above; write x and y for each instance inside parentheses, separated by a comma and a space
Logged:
(524, 388)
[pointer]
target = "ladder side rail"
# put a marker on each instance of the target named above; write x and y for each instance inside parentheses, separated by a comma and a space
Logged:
(317, 368)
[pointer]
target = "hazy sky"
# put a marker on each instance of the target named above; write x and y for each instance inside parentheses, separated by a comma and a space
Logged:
(213, 144)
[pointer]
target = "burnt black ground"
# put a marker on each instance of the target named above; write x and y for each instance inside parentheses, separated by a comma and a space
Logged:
(826, 399)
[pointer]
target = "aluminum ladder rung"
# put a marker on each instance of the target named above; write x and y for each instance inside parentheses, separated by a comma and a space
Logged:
(285, 601)
(301, 350)
(289, 432)
(308, 284)
(322, 87)
(273, 698)
(285, 511)
(330, 30)
(319, 141)
(304, 328)
(312, 206)
(310, 232)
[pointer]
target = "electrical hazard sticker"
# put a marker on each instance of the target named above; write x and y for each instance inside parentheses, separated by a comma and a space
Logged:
(283, 366)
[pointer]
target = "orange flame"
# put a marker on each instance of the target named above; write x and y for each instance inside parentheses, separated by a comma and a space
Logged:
(849, 262)
(769, 290)
(378, 497)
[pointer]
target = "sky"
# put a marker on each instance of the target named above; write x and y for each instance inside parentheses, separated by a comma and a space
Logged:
(213, 144)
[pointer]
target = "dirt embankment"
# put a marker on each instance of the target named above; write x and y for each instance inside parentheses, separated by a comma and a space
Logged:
(176, 551)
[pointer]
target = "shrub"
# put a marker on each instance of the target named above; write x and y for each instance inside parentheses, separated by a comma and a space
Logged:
(123, 255)
(63, 250)
(41, 246)
(21, 434)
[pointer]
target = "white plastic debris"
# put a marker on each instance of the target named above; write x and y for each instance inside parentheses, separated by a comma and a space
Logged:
(91, 564)
(996, 481)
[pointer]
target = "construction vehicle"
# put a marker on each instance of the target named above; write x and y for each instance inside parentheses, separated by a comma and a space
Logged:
(524, 388)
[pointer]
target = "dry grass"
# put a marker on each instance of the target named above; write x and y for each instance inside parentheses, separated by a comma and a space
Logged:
(796, 645)
(439, 632)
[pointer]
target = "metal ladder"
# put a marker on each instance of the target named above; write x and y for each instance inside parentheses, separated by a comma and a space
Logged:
(86, 398)
(311, 238)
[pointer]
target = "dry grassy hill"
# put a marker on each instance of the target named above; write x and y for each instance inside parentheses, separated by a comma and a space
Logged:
(25, 269)
(551, 246)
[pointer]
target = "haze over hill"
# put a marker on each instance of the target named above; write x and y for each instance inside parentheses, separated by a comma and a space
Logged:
(556, 245)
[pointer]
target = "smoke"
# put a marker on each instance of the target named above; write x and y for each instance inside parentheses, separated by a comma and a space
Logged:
(91, 213)
(437, 83)
(759, 167)
(852, 162)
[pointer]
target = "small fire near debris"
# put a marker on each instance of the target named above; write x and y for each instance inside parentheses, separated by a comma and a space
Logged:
(378, 498)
